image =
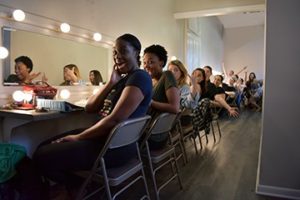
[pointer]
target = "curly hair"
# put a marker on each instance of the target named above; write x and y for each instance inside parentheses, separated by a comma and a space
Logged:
(159, 51)
(26, 61)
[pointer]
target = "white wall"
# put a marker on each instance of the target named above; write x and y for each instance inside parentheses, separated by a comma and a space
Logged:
(209, 31)
(212, 45)
(279, 165)
(244, 47)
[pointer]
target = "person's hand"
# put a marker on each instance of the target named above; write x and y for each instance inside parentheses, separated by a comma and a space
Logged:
(44, 78)
(71, 75)
(68, 138)
(192, 80)
(115, 76)
(233, 112)
(33, 76)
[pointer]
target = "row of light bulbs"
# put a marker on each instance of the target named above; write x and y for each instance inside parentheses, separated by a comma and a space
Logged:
(20, 96)
(19, 16)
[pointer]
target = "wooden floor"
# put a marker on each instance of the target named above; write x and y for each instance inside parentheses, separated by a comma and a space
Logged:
(225, 170)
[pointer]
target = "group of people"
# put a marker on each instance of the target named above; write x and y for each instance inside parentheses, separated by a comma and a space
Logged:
(238, 92)
(71, 75)
(130, 92)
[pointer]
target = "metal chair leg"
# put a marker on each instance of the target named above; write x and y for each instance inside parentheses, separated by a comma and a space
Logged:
(213, 130)
(219, 128)
(178, 176)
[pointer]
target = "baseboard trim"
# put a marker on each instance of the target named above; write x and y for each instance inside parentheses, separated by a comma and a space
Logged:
(278, 192)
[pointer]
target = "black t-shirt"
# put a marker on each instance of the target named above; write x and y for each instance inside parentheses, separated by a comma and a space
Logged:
(228, 88)
(13, 78)
(212, 90)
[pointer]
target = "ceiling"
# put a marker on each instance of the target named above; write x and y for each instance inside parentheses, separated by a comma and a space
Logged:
(242, 19)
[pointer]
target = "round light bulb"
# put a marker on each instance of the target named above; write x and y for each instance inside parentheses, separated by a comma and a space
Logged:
(19, 15)
(64, 27)
(18, 96)
(173, 58)
(64, 94)
(97, 37)
(27, 97)
(3, 52)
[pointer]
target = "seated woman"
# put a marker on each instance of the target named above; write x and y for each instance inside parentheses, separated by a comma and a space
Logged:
(217, 94)
(230, 91)
(23, 68)
(189, 95)
(251, 88)
(95, 77)
(165, 92)
(126, 95)
(71, 75)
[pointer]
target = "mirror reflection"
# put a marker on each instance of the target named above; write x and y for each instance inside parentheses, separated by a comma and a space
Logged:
(51, 56)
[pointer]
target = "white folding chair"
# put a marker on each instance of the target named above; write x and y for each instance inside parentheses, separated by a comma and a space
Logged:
(125, 133)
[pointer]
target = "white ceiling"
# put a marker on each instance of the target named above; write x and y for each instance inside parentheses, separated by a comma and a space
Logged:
(242, 19)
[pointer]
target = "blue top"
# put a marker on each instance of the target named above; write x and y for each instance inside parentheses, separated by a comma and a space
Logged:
(138, 78)
(142, 80)
(186, 98)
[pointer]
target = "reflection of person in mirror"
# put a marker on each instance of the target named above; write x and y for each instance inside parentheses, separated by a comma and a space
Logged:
(95, 77)
(71, 75)
(23, 68)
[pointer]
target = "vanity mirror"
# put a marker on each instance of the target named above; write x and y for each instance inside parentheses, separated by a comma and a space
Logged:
(50, 54)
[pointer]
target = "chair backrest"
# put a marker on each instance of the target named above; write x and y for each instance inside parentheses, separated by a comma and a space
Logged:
(127, 132)
(163, 123)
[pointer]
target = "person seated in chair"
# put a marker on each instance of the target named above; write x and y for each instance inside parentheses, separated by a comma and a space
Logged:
(165, 92)
(189, 94)
(230, 91)
(217, 95)
(126, 95)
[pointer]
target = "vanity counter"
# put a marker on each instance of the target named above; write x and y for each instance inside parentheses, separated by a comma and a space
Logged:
(29, 128)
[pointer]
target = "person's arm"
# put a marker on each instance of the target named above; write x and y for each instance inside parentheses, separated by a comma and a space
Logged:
(129, 100)
(31, 77)
(195, 87)
(173, 101)
(241, 70)
(245, 80)
(231, 94)
(220, 98)
(224, 71)
(189, 99)
(71, 74)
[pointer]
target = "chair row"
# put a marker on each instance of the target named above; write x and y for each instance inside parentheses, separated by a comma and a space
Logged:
(186, 131)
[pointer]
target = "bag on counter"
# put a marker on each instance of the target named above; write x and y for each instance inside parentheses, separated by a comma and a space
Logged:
(42, 90)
